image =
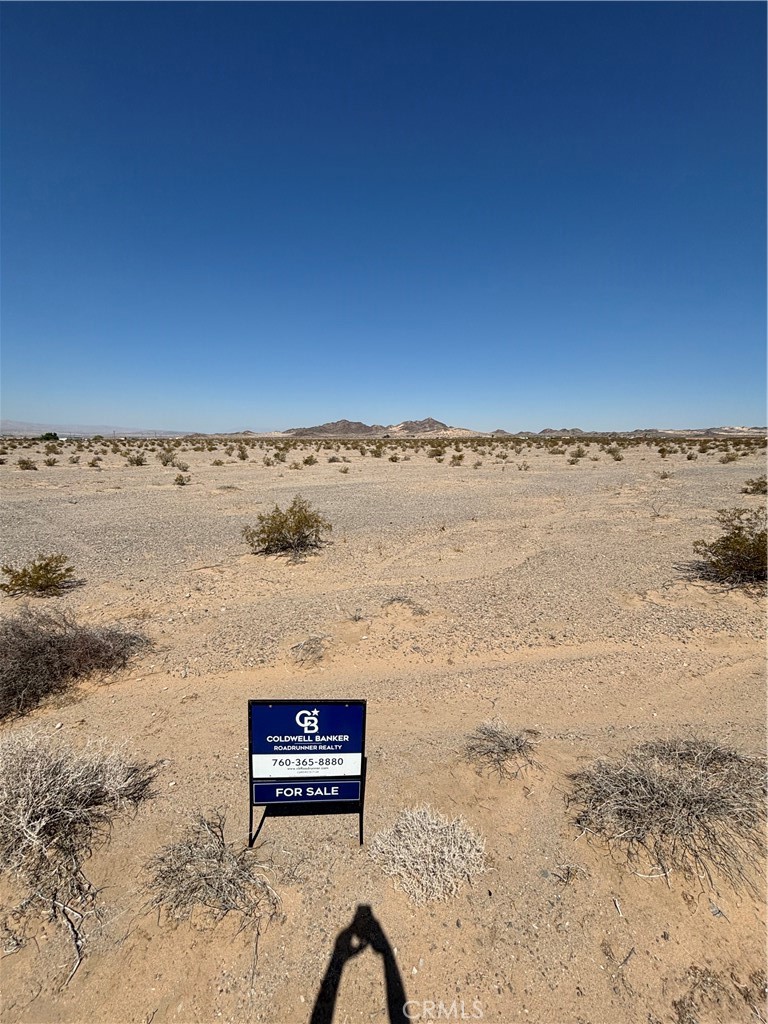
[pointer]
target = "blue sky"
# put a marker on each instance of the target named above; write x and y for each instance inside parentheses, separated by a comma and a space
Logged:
(224, 216)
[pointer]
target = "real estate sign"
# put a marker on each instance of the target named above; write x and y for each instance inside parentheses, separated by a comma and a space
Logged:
(307, 752)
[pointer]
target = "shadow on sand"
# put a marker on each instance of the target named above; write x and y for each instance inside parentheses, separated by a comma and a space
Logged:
(364, 931)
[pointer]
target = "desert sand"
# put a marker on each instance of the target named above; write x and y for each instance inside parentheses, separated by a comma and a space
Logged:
(554, 597)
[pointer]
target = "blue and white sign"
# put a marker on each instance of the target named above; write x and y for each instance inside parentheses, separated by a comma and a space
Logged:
(304, 752)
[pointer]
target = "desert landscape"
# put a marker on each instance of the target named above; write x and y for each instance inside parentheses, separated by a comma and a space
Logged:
(546, 584)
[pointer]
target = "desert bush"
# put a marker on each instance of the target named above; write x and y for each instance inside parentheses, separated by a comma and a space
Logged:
(394, 457)
(94, 462)
(74, 459)
(456, 460)
(691, 456)
(242, 453)
(182, 479)
(57, 805)
(50, 461)
(202, 871)
(136, 460)
(310, 460)
(758, 485)
(44, 653)
(279, 456)
(429, 856)
(270, 462)
(729, 457)
(297, 529)
(344, 469)
(739, 556)
(26, 464)
(687, 805)
(183, 467)
(334, 458)
(165, 457)
(46, 576)
(495, 748)
(217, 462)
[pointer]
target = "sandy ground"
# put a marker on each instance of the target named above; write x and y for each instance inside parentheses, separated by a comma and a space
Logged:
(552, 597)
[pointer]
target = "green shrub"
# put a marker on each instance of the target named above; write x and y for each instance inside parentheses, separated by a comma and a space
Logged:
(46, 576)
(165, 457)
(739, 556)
(136, 460)
(310, 460)
(50, 461)
(759, 485)
(26, 464)
(297, 529)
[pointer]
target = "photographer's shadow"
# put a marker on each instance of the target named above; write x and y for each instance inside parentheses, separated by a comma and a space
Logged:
(364, 931)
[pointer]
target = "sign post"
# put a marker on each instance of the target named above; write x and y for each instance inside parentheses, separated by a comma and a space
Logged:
(306, 757)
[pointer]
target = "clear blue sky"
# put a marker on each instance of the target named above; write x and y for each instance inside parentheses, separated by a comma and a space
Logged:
(222, 216)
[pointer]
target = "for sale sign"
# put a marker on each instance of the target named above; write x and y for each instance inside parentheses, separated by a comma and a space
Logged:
(307, 752)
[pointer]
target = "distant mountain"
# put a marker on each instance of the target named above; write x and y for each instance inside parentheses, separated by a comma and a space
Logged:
(419, 426)
(339, 428)
(352, 428)
(19, 428)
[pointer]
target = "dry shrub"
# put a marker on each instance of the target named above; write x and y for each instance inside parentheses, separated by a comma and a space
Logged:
(43, 653)
(429, 856)
(46, 576)
(297, 529)
(308, 652)
(202, 871)
(406, 602)
(739, 556)
(687, 805)
(57, 805)
(495, 748)
(757, 485)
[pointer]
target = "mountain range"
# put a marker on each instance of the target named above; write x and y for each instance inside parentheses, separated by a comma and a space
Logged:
(355, 428)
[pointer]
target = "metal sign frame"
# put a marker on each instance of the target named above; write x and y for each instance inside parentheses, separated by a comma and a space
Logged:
(318, 805)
